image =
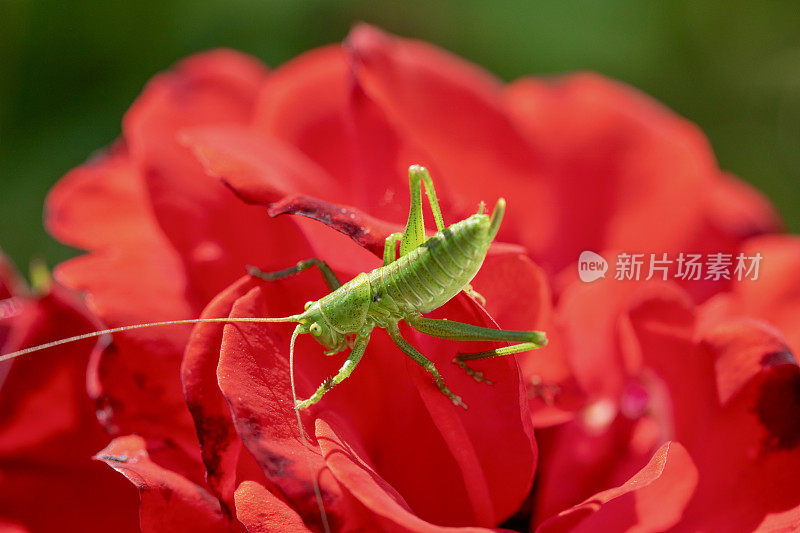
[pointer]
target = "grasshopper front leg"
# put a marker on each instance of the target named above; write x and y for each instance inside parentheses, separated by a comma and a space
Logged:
(390, 248)
(344, 372)
(330, 278)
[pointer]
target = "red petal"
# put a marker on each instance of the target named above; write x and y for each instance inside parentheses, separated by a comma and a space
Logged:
(518, 297)
(730, 400)
(594, 451)
(602, 140)
(193, 209)
(254, 382)
(106, 188)
(139, 276)
(455, 111)
(48, 429)
(755, 435)
(735, 406)
(103, 206)
(591, 338)
(315, 103)
(219, 443)
(261, 512)
(494, 481)
(605, 444)
(254, 378)
(652, 500)
(133, 276)
(773, 297)
(617, 161)
(260, 169)
(739, 210)
(168, 501)
(360, 478)
(11, 283)
(743, 350)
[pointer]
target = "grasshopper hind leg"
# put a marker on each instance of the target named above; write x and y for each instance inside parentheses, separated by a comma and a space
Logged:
(477, 375)
(347, 368)
(458, 331)
(462, 357)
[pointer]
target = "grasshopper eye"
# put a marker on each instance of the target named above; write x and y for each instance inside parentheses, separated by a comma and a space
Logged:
(308, 304)
(315, 329)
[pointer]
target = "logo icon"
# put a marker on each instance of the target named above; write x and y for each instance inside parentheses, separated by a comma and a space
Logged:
(591, 266)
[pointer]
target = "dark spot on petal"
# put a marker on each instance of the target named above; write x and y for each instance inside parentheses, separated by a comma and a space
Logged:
(215, 433)
(273, 463)
(359, 226)
(778, 406)
(115, 458)
(106, 409)
(140, 380)
(783, 357)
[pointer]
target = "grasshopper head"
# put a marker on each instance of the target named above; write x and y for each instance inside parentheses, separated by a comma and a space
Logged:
(314, 322)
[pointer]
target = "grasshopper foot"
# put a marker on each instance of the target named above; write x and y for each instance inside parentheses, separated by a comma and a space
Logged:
(476, 374)
(457, 400)
(475, 294)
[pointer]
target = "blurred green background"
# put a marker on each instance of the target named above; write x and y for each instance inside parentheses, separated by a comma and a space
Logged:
(69, 70)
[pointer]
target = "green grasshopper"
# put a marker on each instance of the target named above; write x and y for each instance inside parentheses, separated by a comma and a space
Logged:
(428, 273)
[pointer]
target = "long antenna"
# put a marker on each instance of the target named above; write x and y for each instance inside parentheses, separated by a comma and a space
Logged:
(317, 491)
(297, 331)
(12, 355)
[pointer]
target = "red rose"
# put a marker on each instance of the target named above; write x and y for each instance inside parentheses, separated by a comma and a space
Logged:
(202, 418)
(433, 464)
